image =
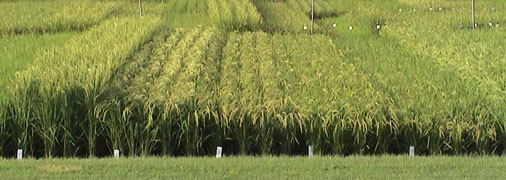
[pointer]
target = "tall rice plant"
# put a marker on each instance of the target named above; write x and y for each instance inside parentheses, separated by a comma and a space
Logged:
(62, 104)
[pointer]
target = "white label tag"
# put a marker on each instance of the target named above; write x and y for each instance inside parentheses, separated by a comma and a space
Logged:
(310, 151)
(116, 154)
(20, 154)
(219, 152)
(411, 151)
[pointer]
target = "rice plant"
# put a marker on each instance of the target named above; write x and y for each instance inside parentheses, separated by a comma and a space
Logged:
(52, 16)
(234, 15)
(74, 114)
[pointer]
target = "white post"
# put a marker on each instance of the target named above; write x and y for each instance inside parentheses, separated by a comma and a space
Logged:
(20, 154)
(310, 151)
(411, 151)
(312, 16)
(473, 14)
(219, 151)
(140, 8)
(116, 154)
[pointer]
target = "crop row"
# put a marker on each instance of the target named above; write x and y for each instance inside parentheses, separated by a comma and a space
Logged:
(19, 51)
(22, 17)
(279, 18)
(163, 95)
(462, 73)
(234, 14)
(55, 100)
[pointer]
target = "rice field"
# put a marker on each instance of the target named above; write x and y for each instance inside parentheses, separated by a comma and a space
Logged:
(375, 77)
(52, 16)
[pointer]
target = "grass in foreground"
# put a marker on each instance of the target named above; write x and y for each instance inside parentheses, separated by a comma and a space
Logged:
(354, 167)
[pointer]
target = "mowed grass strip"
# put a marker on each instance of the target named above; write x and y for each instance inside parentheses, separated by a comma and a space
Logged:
(353, 167)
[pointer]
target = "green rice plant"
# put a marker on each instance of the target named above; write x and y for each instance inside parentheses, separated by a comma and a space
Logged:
(234, 15)
(186, 14)
(4, 136)
(473, 72)
(279, 18)
(439, 116)
(190, 6)
(52, 16)
(282, 82)
(322, 8)
(19, 51)
(174, 50)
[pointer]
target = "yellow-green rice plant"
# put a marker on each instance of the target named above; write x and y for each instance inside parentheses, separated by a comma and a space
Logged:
(231, 88)
(130, 87)
(183, 95)
(286, 112)
(265, 124)
(170, 96)
(64, 102)
(127, 101)
(303, 85)
(252, 97)
(206, 92)
(165, 122)
(229, 83)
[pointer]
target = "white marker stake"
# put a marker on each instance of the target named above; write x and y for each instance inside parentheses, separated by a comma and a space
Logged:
(20, 154)
(411, 151)
(116, 154)
(219, 152)
(310, 151)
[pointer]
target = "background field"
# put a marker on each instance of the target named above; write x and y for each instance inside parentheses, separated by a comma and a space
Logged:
(384, 167)
(82, 78)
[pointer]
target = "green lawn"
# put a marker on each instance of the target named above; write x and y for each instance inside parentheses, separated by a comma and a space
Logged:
(355, 167)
